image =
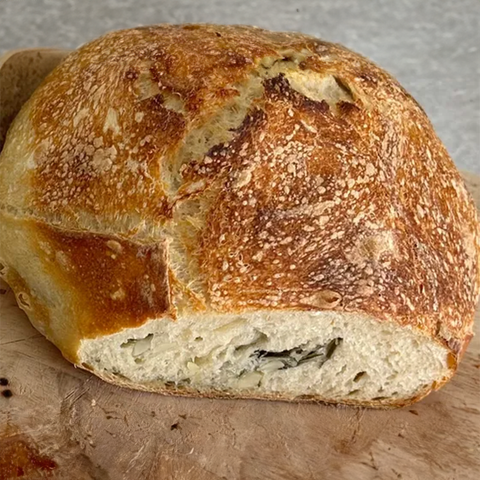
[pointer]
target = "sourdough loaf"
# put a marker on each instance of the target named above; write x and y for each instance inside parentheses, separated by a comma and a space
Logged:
(228, 211)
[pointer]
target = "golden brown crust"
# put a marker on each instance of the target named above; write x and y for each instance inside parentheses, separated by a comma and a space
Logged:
(102, 122)
(311, 204)
(84, 285)
(331, 222)
(115, 283)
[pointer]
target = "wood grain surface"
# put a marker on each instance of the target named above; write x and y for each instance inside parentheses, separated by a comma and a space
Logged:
(62, 423)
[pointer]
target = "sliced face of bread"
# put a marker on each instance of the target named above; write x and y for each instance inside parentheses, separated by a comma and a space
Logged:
(329, 356)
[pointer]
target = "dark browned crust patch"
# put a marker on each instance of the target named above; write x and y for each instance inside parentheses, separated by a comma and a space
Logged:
(114, 283)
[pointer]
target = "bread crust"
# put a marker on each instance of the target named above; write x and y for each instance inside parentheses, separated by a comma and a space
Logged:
(307, 204)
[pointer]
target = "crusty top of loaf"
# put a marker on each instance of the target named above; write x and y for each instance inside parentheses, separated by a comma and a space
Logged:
(284, 172)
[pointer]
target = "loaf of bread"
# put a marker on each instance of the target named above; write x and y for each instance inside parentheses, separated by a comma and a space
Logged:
(231, 212)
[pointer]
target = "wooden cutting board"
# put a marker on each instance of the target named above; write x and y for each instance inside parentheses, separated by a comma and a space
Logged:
(62, 423)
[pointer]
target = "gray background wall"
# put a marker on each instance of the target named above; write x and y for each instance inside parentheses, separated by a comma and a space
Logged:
(431, 46)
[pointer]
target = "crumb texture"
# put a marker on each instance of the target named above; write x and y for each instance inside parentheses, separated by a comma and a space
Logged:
(327, 355)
